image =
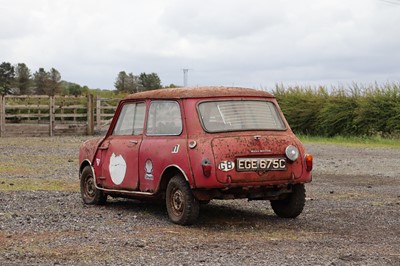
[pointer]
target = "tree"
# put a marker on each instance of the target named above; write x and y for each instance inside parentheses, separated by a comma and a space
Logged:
(40, 78)
(6, 77)
(85, 90)
(54, 81)
(48, 83)
(23, 78)
(127, 83)
(150, 81)
(74, 89)
(171, 86)
(134, 84)
(121, 82)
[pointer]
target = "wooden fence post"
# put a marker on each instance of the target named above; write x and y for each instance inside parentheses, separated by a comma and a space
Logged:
(51, 115)
(2, 114)
(98, 112)
(90, 115)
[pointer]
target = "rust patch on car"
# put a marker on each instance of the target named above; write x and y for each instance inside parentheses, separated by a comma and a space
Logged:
(198, 92)
(89, 148)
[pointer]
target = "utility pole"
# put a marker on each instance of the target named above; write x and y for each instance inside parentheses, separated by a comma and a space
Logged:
(185, 76)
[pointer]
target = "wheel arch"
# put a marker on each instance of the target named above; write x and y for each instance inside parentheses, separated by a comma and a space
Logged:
(168, 173)
(83, 165)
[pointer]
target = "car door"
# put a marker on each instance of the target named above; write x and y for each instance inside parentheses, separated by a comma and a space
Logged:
(164, 143)
(119, 152)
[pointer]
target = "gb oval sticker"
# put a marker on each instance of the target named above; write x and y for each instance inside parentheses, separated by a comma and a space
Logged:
(226, 166)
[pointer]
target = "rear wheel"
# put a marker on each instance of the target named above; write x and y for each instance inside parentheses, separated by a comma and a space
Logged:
(182, 206)
(292, 205)
(90, 194)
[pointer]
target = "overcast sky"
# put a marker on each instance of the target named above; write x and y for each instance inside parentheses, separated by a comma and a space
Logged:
(248, 43)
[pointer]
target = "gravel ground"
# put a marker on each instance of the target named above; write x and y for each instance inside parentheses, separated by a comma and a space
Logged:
(351, 216)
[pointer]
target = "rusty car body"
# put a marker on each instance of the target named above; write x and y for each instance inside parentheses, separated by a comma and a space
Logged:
(188, 146)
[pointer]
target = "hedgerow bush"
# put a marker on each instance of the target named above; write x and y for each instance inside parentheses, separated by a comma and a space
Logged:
(301, 106)
(372, 110)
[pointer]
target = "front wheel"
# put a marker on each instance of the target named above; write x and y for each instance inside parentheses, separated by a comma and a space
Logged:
(90, 194)
(182, 206)
(292, 205)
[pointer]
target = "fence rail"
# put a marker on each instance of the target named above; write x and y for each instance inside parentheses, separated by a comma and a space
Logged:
(38, 115)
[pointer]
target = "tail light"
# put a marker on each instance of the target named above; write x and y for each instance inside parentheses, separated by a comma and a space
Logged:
(206, 165)
(309, 162)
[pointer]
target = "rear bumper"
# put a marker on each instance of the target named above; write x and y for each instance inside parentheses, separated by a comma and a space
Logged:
(251, 179)
(273, 192)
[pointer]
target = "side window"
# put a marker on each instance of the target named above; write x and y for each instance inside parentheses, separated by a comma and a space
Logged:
(130, 120)
(164, 119)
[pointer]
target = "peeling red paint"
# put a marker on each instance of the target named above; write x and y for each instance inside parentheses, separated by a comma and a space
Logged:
(88, 149)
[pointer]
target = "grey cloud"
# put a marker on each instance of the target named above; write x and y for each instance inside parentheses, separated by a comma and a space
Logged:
(219, 19)
(245, 43)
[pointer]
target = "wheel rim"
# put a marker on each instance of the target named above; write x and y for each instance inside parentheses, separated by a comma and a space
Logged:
(177, 202)
(90, 189)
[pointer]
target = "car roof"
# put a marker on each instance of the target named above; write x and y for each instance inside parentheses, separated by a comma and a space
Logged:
(198, 92)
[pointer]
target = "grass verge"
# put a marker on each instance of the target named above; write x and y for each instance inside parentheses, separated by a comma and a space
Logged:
(34, 184)
(362, 142)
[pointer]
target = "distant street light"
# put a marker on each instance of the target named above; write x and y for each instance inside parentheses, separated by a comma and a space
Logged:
(185, 76)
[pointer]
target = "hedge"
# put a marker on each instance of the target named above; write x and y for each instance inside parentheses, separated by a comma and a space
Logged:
(345, 111)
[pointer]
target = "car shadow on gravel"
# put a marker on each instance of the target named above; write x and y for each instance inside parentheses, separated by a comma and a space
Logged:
(155, 209)
(241, 214)
(238, 213)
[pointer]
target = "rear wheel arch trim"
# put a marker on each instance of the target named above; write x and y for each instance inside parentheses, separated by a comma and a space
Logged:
(165, 177)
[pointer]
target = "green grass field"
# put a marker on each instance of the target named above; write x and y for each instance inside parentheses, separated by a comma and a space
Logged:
(372, 142)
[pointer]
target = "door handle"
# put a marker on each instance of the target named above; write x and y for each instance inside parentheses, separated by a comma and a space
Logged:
(133, 141)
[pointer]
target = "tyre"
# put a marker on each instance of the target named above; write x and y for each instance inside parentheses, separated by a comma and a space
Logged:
(90, 194)
(182, 206)
(292, 205)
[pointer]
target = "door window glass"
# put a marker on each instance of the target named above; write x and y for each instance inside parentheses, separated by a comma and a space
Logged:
(164, 118)
(131, 120)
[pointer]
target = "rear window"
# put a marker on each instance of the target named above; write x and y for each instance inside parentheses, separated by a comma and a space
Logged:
(219, 116)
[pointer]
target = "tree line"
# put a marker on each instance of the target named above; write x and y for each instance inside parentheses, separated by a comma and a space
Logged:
(372, 110)
(131, 83)
(19, 80)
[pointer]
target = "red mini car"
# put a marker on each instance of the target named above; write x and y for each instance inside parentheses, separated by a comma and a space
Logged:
(188, 146)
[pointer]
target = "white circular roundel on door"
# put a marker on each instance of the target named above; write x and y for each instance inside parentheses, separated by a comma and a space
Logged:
(117, 168)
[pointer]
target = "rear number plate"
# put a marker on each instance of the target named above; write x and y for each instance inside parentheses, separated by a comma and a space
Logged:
(260, 164)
